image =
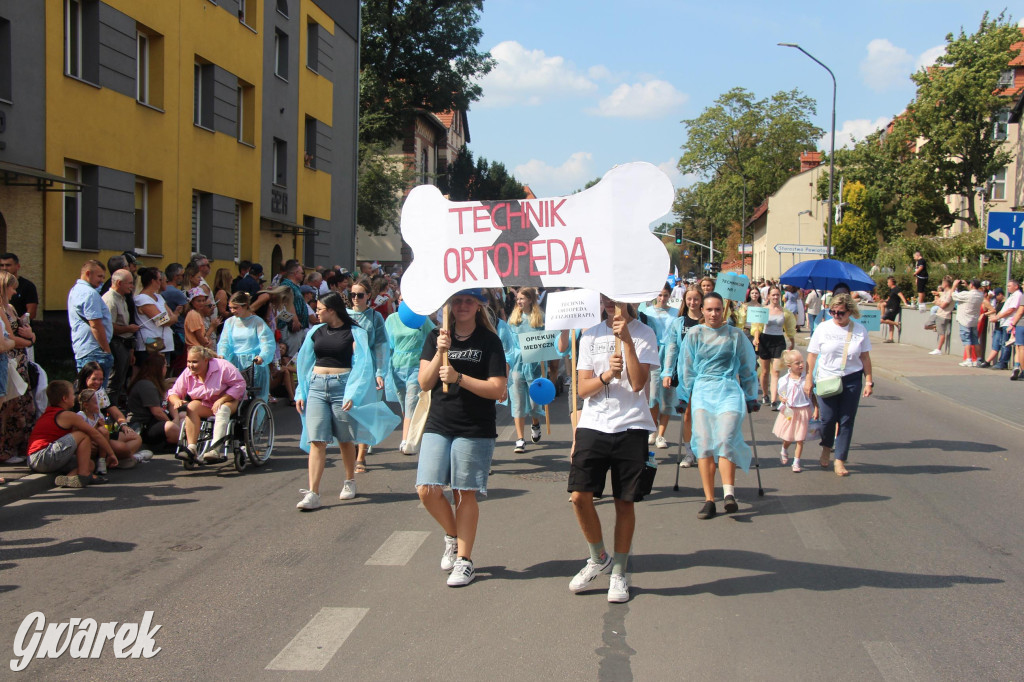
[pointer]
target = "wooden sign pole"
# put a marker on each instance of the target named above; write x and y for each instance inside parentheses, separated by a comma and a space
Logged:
(444, 358)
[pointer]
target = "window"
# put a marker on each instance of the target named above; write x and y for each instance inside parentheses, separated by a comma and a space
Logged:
(998, 191)
(142, 68)
(245, 101)
(202, 95)
(423, 167)
(1006, 78)
(313, 45)
(310, 156)
(280, 151)
(141, 216)
(1000, 124)
(240, 109)
(73, 38)
(5, 59)
(241, 12)
(281, 54)
(72, 208)
(282, 7)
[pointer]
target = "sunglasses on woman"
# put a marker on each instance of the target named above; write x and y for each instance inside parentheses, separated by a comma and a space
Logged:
(837, 313)
(355, 295)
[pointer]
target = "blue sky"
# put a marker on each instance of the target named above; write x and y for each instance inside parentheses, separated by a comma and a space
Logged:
(582, 86)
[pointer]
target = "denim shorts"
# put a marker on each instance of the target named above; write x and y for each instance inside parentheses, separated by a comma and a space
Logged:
(325, 420)
(462, 463)
(1018, 335)
(57, 457)
(408, 386)
(969, 335)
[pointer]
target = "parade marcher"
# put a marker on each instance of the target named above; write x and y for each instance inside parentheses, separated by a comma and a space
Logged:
(662, 398)
(840, 347)
(611, 434)
(209, 387)
(796, 411)
(461, 427)
(372, 323)
(402, 383)
(718, 381)
(336, 372)
(770, 340)
(526, 316)
(690, 316)
(246, 340)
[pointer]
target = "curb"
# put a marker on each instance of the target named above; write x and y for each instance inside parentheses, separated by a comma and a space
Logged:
(24, 487)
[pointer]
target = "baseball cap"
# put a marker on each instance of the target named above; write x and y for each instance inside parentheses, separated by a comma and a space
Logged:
(476, 293)
(255, 269)
(998, 291)
(196, 292)
(306, 289)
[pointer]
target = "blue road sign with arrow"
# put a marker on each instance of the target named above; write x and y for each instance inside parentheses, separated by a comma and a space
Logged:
(1005, 231)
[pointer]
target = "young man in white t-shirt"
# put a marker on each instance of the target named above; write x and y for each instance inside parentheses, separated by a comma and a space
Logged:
(611, 434)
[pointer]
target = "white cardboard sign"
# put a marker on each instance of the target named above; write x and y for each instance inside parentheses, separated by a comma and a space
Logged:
(539, 346)
(574, 309)
(597, 239)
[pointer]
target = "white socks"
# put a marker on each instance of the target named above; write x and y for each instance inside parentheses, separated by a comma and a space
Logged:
(728, 490)
(220, 424)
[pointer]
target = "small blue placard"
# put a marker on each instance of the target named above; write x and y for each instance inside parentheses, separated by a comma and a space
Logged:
(757, 315)
(871, 318)
(732, 287)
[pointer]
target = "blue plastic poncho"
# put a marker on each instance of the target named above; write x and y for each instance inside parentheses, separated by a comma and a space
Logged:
(241, 340)
(717, 376)
(372, 323)
(405, 345)
(372, 420)
(661, 321)
(522, 374)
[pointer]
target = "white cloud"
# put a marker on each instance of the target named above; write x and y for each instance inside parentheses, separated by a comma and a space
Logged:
(652, 99)
(886, 66)
(546, 180)
(929, 56)
(679, 180)
(854, 130)
(599, 73)
(529, 77)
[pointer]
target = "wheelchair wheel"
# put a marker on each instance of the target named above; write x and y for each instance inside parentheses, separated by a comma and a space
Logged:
(240, 459)
(258, 432)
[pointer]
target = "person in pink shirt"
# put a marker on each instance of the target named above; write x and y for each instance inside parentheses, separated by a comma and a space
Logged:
(209, 386)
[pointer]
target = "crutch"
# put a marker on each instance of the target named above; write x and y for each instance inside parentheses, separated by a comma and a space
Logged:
(757, 463)
(679, 457)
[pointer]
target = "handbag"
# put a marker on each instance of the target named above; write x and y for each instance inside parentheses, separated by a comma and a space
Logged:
(826, 388)
(155, 344)
(16, 386)
(418, 423)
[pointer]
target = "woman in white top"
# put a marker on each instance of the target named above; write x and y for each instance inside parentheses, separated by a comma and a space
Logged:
(155, 319)
(824, 360)
(813, 305)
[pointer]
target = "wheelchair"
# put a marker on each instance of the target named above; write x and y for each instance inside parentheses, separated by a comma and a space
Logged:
(250, 435)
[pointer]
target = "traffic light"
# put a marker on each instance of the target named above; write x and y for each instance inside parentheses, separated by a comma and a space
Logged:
(715, 268)
(679, 235)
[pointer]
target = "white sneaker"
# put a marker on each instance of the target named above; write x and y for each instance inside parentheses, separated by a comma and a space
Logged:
(451, 553)
(589, 572)
(144, 455)
(661, 443)
(520, 446)
(688, 461)
(651, 437)
(16, 459)
(348, 490)
(401, 448)
(310, 501)
(535, 433)
(462, 573)
(966, 363)
(618, 590)
(935, 352)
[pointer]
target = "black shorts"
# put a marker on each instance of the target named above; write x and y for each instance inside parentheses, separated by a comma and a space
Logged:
(922, 286)
(625, 453)
(890, 314)
(770, 346)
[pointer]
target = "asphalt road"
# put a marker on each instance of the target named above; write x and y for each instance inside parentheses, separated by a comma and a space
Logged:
(910, 569)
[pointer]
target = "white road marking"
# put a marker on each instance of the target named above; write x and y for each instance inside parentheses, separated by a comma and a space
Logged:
(315, 645)
(398, 549)
(810, 525)
(893, 666)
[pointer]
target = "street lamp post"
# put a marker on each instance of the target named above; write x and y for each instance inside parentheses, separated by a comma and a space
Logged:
(799, 232)
(832, 145)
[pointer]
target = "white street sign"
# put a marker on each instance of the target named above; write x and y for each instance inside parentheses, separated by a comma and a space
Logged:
(802, 248)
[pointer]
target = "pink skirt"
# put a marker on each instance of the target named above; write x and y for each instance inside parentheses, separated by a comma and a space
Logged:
(793, 429)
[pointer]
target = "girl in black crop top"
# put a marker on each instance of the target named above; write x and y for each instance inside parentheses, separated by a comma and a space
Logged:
(333, 347)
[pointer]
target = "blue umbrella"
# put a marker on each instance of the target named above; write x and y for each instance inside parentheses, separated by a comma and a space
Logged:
(826, 274)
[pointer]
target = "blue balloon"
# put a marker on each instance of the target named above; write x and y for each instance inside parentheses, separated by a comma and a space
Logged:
(409, 318)
(542, 391)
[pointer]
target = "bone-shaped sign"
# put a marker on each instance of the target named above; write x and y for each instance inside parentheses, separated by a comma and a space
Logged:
(598, 239)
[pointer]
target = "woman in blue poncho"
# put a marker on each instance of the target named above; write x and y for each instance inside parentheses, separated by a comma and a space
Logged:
(337, 396)
(246, 340)
(402, 386)
(661, 398)
(526, 317)
(377, 339)
(718, 378)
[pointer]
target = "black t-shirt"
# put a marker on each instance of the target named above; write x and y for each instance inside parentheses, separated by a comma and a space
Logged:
(333, 347)
(459, 412)
(924, 269)
(25, 295)
(893, 302)
(144, 395)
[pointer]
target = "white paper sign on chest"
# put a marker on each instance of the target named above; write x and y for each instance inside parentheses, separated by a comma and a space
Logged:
(598, 239)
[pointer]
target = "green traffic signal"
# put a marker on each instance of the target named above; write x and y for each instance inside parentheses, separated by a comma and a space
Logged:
(679, 235)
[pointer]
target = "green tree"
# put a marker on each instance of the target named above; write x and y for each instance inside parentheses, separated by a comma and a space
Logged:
(855, 238)
(382, 178)
(957, 104)
(744, 144)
